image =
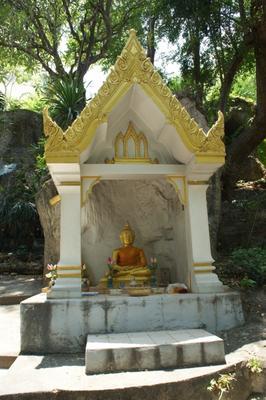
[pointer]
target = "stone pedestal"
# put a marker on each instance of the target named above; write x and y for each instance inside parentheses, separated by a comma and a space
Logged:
(62, 326)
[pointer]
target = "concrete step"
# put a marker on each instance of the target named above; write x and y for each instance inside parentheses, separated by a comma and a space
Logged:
(136, 351)
(9, 334)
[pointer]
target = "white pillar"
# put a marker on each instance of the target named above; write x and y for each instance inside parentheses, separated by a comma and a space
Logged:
(203, 279)
(68, 282)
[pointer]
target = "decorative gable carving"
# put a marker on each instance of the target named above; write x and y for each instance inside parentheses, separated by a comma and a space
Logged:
(132, 66)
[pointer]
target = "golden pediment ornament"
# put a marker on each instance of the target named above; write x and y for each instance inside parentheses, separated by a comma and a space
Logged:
(131, 147)
(132, 66)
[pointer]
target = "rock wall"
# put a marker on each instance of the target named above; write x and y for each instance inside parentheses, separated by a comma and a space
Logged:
(19, 129)
(243, 220)
(153, 211)
(50, 221)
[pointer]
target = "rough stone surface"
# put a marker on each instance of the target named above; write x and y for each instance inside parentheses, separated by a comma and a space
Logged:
(67, 323)
(154, 212)
(252, 170)
(50, 221)
(214, 201)
(190, 106)
(152, 350)
(243, 220)
(19, 130)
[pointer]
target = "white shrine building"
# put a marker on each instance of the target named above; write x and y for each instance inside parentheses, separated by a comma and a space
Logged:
(135, 128)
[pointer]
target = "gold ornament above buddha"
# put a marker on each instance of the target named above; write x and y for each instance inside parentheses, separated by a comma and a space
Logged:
(129, 262)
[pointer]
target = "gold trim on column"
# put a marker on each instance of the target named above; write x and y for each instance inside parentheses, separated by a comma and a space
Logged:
(68, 267)
(54, 200)
(69, 275)
(95, 180)
(171, 180)
(69, 183)
(198, 182)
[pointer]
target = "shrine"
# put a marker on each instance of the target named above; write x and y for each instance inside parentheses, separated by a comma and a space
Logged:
(134, 132)
(134, 129)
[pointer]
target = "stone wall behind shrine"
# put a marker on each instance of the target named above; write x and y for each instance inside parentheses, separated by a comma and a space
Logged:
(155, 214)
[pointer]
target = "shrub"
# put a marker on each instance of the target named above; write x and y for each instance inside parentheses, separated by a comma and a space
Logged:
(66, 98)
(19, 221)
(250, 264)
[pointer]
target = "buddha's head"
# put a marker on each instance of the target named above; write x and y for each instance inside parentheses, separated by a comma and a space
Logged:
(127, 235)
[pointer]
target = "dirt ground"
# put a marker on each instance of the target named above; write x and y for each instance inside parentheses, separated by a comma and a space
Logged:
(254, 329)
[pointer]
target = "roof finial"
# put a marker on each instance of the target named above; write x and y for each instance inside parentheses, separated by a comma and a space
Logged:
(132, 32)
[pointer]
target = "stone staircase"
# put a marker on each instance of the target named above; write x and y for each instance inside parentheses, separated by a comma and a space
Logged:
(136, 351)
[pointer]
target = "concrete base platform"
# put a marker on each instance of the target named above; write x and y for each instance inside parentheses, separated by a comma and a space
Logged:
(62, 377)
(136, 351)
(62, 326)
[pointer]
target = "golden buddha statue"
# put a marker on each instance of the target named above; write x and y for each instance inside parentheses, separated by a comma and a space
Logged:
(128, 262)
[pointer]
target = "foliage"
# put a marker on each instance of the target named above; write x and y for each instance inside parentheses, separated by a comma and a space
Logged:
(255, 365)
(250, 264)
(41, 172)
(61, 36)
(247, 283)
(221, 385)
(17, 216)
(66, 98)
(178, 84)
(245, 86)
(32, 102)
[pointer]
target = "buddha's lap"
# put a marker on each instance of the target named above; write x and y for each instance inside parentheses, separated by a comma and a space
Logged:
(133, 272)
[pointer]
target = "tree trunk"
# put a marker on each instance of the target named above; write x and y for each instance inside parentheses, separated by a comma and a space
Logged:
(245, 143)
(229, 78)
(197, 67)
(151, 39)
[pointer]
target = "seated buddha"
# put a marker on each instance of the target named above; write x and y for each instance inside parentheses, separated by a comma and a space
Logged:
(129, 262)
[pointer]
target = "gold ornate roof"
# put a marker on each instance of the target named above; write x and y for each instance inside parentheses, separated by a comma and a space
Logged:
(132, 66)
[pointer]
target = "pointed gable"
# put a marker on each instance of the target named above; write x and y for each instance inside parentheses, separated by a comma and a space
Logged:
(132, 67)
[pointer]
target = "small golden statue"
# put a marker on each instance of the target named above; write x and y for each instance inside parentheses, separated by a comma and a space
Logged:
(128, 263)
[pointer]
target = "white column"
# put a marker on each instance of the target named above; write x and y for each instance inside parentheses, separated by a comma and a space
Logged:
(203, 279)
(68, 282)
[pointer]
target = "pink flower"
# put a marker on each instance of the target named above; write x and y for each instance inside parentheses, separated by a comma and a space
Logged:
(110, 261)
(51, 267)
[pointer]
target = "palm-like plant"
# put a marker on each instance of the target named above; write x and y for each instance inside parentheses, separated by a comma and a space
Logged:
(19, 219)
(66, 98)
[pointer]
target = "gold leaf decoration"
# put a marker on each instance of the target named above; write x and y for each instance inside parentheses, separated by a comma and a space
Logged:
(132, 66)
